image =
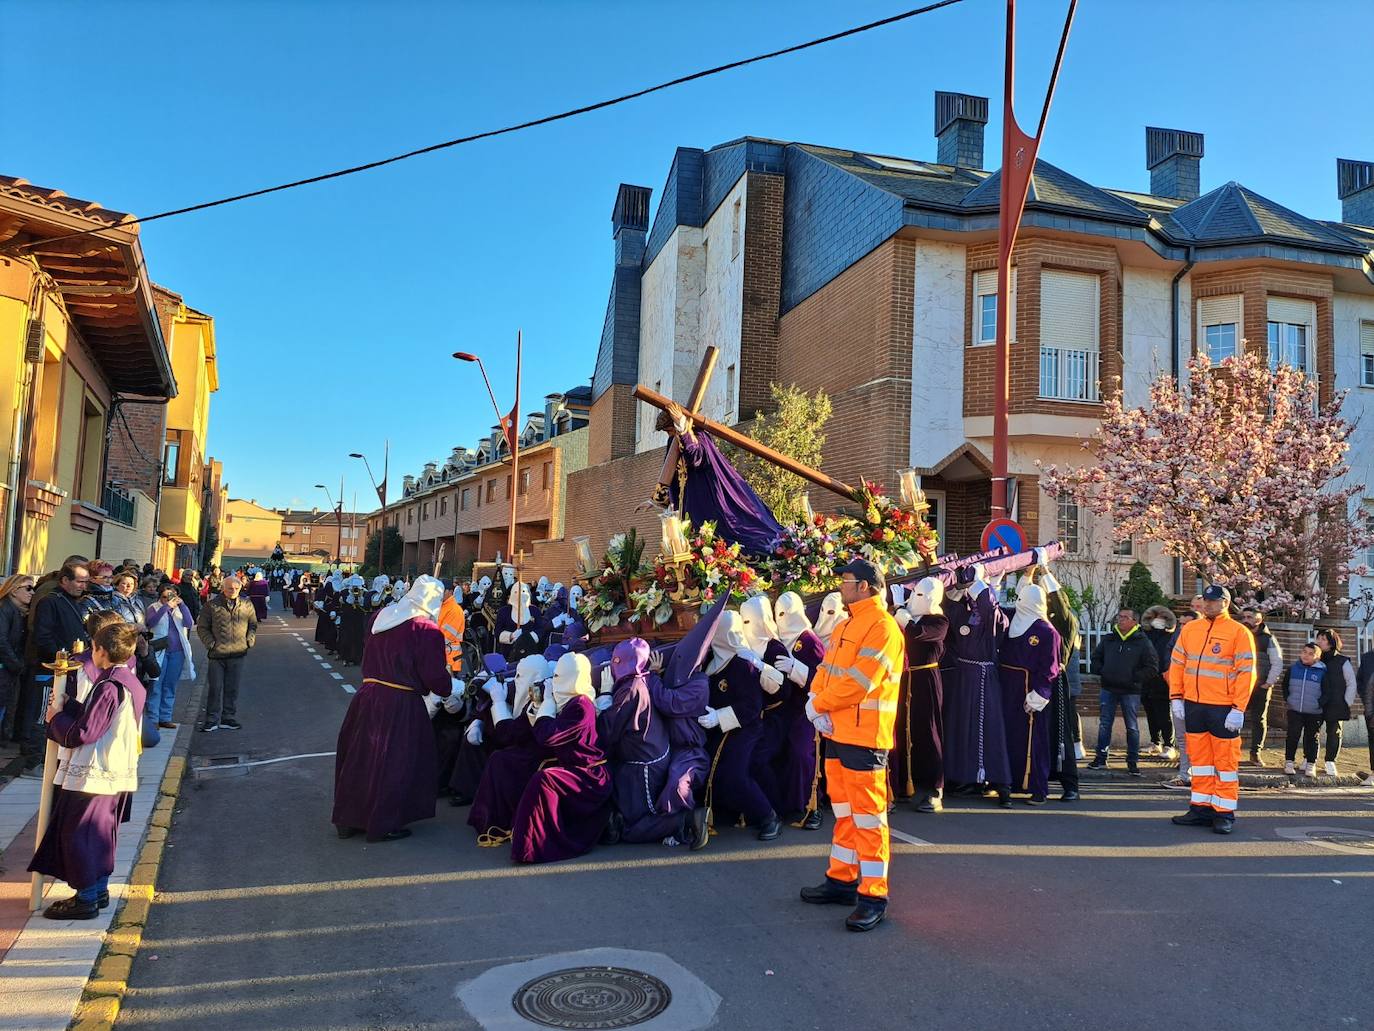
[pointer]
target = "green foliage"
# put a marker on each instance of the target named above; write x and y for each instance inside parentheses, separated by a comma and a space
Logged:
(796, 428)
(1140, 591)
(208, 546)
(394, 545)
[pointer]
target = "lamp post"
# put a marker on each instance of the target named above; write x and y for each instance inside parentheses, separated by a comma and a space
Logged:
(380, 488)
(338, 516)
(510, 426)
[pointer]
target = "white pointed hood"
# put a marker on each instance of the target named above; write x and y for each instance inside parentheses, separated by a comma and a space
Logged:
(423, 601)
(726, 642)
(574, 597)
(833, 613)
(1030, 606)
(791, 615)
(926, 598)
(757, 623)
(572, 676)
(518, 594)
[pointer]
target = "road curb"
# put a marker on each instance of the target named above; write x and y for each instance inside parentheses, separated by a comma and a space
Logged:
(109, 980)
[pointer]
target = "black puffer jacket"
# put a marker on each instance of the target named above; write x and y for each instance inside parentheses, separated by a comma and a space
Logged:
(1128, 665)
(1163, 641)
(14, 628)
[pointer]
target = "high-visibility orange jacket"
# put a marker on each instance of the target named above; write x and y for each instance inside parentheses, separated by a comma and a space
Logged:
(1213, 662)
(453, 621)
(860, 679)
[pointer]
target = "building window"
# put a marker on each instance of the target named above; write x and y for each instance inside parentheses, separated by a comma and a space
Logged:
(935, 518)
(730, 394)
(491, 491)
(1125, 548)
(464, 498)
(705, 264)
(1069, 320)
(443, 506)
(1291, 324)
(735, 231)
(985, 308)
(171, 458)
(1367, 354)
(424, 511)
(89, 446)
(1067, 530)
(1220, 319)
(548, 475)
(410, 516)
(305, 531)
(1369, 528)
(524, 481)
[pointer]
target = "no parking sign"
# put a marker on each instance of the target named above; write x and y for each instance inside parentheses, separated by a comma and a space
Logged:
(1004, 533)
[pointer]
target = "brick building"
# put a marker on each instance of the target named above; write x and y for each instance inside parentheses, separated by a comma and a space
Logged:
(874, 278)
(316, 536)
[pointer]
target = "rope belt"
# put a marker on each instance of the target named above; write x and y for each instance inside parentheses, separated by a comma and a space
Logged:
(387, 683)
(983, 668)
(928, 665)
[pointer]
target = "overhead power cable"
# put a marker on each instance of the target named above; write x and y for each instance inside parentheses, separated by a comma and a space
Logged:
(533, 123)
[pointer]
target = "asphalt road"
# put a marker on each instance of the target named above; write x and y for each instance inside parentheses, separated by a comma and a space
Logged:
(1096, 915)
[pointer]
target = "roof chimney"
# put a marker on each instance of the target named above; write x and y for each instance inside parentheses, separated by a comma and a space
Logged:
(1355, 187)
(1174, 158)
(630, 223)
(959, 121)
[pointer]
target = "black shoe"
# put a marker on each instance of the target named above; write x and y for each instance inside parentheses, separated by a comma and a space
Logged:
(770, 828)
(1098, 764)
(347, 832)
(1004, 797)
(72, 909)
(615, 827)
(404, 832)
(867, 915)
(1196, 816)
(1036, 800)
(1223, 824)
(812, 821)
(696, 825)
(166, 725)
(229, 723)
(1134, 771)
(103, 902)
(1069, 795)
(458, 800)
(929, 803)
(209, 728)
(831, 892)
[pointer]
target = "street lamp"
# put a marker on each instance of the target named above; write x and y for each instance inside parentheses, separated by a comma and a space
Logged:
(509, 423)
(338, 516)
(380, 488)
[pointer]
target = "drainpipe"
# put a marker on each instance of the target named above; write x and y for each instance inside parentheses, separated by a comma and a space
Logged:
(1176, 365)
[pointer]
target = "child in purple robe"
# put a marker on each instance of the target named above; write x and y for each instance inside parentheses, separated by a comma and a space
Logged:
(513, 754)
(97, 772)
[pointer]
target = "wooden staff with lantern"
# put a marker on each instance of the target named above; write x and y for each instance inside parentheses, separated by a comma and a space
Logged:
(64, 667)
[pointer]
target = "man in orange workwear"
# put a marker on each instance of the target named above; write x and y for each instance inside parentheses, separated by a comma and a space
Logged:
(1211, 675)
(453, 621)
(853, 703)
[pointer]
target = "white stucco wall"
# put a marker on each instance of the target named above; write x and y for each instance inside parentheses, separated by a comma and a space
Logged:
(1145, 295)
(1347, 311)
(937, 352)
(721, 309)
(660, 312)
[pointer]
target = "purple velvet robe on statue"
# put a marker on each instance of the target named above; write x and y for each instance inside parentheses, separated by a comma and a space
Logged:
(386, 770)
(733, 788)
(975, 732)
(715, 490)
(563, 810)
(688, 762)
(79, 845)
(785, 759)
(1028, 663)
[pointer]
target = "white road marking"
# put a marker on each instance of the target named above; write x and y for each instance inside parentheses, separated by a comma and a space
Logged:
(349, 688)
(337, 676)
(908, 838)
(269, 762)
(325, 665)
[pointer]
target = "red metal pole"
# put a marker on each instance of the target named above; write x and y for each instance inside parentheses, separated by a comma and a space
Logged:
(514, 454)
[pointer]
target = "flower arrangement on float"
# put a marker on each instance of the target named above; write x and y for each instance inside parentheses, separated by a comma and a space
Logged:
(892, 535)
(806, 556)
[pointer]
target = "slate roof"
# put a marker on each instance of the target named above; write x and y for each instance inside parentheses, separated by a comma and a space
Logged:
(1053, 189)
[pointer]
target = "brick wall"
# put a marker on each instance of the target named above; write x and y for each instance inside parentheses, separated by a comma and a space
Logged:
(602, 500)
(762, 286)
(611, 432)
(138, 430)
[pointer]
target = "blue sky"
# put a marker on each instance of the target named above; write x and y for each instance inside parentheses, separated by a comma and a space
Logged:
(337, 306)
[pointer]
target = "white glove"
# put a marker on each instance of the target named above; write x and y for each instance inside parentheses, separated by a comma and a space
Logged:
(453, 704)
(1176, 708)
(903, 618)
(771, 679)
(710, 719)
(494, 689)
(456, 683)
(607, 682)
(432, 703)
(750, 656)
(474, 734)
(548, 707)
(1035, 702)
(319, 606)
(898, 595)
(533, 636)
(1235, 719)
(799, 673)
(1038, 554)
(784, 665)
(604, 702)
(508, 636)
(820, 720)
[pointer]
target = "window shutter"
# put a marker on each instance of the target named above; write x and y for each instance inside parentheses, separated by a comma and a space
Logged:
(1214, 311)
(1069, 313)
(1288, 309)
(985, 282)
(1367, 338)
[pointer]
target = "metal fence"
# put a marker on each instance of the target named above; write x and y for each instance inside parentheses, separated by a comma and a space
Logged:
(118, 505)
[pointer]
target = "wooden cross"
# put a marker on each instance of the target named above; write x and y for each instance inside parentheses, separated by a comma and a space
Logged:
(739, 440)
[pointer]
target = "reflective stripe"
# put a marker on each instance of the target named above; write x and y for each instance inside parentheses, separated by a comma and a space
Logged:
(1202, 798)
(1202, 771)
(875, 653)
(872, 868)
(451, 630)
(1228, 776)
(844, 855)
(870, 821)
(840, 809)
(880, 706)
(861, 678)
(1211, 674)
(1244, 655)
(1223, 803)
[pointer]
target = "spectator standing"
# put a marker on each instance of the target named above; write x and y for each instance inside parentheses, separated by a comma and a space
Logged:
(228, 627)
(1160, 627)
(170, 621)
(1268, 667)
(56, 622)
(1302, 691)
(1338, 692)
(1125, 659)
(101, 587)
(1365, 681)
(14, 630)
(124, 599)
(188, 588)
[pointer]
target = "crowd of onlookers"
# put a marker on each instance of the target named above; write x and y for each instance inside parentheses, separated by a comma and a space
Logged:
(40, 616)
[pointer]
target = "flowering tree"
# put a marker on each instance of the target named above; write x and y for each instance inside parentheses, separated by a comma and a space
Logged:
(1241, 474)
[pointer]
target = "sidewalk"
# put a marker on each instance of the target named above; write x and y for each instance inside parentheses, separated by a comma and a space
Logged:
(45, 964)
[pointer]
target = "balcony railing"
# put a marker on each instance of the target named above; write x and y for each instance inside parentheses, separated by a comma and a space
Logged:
(119, 504)
(1068, 374)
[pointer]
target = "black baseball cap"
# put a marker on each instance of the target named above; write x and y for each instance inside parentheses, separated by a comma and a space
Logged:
(865, 571)
(1216, 592)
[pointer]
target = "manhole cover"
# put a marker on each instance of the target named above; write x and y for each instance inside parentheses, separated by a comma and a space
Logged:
(592, 997)
(1353, 839)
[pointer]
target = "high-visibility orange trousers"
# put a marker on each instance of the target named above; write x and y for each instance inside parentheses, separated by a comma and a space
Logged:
(1213, 756)
(860, 847)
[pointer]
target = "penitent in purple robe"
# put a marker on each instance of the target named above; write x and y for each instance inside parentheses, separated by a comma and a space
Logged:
(300, 602)
(635, 739)
(563, 810)
(918, 758)
(733, 789)
(1028, 663)
(975, 734)
(716, 491)
(386, 770)
(688, 762)
(785, 759)
(258, 593)
(79, 844)
(511, 760)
